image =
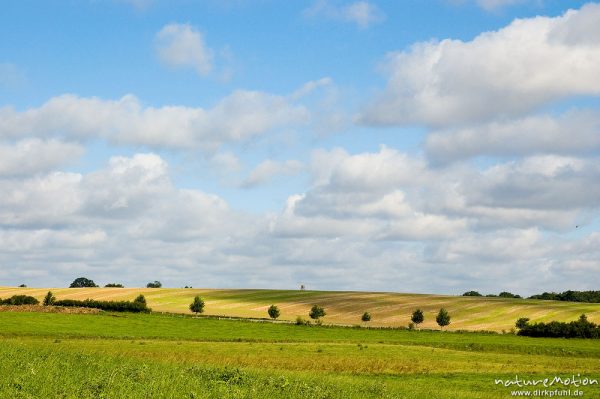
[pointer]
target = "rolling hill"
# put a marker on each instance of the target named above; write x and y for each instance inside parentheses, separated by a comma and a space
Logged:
(343, 307)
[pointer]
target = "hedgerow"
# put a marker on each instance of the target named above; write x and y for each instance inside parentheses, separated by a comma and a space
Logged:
(113, 306)
(19, 300)
(581, 328)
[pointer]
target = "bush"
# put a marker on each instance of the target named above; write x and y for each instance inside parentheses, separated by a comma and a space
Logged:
(366, 316)
(23, 286)
(581, 328)
(82, 282)
(154, 284)
(273, 312)
(198, 305)
(417, 317)
(443, 318)
(19, 300)
(114, 285)
(301, 322)
(49, 299)
(114, 306)
(505, 294)
(472, 293)
(316, 312)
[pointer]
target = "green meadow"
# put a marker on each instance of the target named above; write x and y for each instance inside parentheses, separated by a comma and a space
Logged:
(107, 355)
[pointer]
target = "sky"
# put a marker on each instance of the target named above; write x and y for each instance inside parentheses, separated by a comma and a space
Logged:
(410, 146)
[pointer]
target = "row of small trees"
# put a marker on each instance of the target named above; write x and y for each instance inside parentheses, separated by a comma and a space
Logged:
(316, 312)
(442, 318)
(418, 317)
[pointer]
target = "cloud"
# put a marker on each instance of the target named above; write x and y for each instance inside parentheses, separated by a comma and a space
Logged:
(237, 117)
(491, 5)
(310, 86)
(423, 229)
(361, 13)
(31, 156)
(497, 75)
(125, 219)
(182, 45)
(269, 169)
(226, 161)
(131, 196)
(367, 195)
(454, 223)
(388, 195)
(39, 201)
(576, 132)
(538, 183)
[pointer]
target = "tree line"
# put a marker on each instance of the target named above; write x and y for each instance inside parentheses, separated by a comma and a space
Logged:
(570, 296)
(503, 294)
(567, 296)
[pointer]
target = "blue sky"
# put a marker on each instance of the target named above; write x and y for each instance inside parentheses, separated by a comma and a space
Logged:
(435, 146)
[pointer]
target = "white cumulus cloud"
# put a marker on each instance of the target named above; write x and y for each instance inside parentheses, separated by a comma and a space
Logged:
(498, 74)
(237, 117)
(31, 156)
(182, 45)
(576, 132)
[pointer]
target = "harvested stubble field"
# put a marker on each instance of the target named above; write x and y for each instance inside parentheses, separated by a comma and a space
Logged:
(387, 309)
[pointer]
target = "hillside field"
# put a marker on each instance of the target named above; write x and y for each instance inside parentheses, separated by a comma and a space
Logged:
(387, 309)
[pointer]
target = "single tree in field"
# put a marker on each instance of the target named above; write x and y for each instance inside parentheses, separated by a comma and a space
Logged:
(154, 284)
(417, 317)
(443, 318)
(49, 299)
(366, 316)
(522, 323)
(198, 305)
(140, 299)
(316, 312)
(82, 282)
(273, 312)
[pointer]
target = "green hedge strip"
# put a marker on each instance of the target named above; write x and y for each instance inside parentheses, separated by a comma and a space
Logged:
(113, 306)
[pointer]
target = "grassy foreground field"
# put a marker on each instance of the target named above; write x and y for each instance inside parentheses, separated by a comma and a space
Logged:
(107, 355)
(387, 309)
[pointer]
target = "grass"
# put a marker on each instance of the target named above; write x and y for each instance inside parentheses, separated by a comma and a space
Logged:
(166, 356)
(387, 309)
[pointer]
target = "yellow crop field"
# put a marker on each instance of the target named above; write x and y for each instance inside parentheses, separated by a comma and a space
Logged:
(342, 307)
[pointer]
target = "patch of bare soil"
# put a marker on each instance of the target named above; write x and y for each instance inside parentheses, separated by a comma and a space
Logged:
(47, 309)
